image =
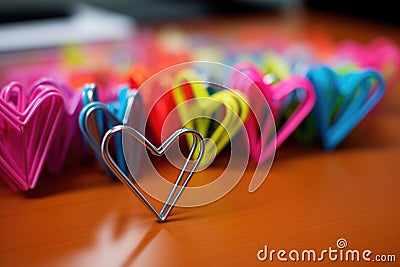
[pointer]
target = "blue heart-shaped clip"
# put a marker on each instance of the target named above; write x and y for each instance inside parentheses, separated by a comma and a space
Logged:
(90, 95)
(343, 100)
(105, 117)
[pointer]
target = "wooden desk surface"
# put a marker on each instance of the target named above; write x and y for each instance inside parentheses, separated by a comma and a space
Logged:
(310, 199)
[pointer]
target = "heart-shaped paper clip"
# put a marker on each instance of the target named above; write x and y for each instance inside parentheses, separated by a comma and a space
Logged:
(296, 60)
(343, 101)
(277, 96)
(68, 133)
(178, 187)
(275, 67)
(197, 114)
(90, 95)
(28, 125)
(381, 54)
(96, 118)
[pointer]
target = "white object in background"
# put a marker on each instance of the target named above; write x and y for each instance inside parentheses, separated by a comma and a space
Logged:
(86, 24)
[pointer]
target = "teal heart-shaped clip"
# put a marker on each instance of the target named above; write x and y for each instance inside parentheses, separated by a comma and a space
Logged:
(343, 100)
(97, 117)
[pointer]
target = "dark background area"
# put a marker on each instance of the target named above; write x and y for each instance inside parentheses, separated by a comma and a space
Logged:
(168, 10)
(383, 10)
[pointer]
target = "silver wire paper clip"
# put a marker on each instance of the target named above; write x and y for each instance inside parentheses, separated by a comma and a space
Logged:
(177, 189)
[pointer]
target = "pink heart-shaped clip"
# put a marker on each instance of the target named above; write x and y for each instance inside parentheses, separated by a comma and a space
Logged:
(381, 54)
(68, 133)
(28, 125)
(276, 95)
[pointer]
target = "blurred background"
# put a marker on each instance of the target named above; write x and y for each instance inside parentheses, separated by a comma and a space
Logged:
(44, 24)
(161, 10)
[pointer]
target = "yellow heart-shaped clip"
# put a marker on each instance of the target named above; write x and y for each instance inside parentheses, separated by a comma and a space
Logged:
(229, 108)
(275, 65)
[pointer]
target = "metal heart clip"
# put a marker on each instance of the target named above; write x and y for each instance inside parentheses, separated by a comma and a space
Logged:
(180, 182)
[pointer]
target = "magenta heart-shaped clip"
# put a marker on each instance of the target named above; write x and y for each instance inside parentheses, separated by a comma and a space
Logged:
(381, 54)
(277, 96)
(28, 124)
(68, 133)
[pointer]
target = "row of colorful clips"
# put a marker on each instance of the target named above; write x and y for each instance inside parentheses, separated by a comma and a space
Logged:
(40, 125)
